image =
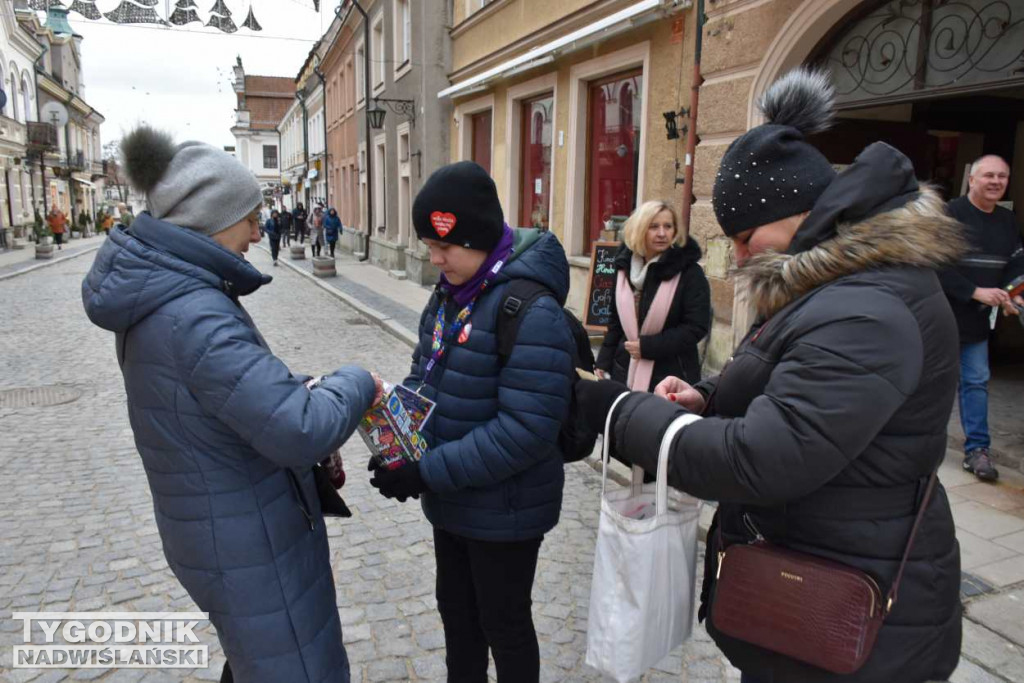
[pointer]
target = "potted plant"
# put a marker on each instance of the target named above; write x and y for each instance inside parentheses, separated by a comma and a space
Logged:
(44, 247)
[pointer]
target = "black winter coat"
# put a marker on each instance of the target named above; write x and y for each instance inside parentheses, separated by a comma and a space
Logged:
(674, 349)
(822, 430)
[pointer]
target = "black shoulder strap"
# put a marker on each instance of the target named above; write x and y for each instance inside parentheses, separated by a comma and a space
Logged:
(519, 296)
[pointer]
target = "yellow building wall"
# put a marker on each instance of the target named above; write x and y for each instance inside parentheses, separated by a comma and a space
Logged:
(668, 88)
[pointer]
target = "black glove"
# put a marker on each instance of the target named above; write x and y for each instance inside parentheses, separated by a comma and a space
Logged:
(401, 483)
(595, 399)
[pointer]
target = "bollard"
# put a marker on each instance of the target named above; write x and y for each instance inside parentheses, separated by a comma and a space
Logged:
(298, 252)
(44, 251)
(323, 266)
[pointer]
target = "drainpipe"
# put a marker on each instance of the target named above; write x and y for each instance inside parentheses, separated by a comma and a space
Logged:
(67, 153)
(42, 153)
(366, 111)
(323, 94)
(301, 97)
(691, 138)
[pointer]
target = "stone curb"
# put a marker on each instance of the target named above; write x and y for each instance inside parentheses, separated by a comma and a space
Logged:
(49, 262)
(385, 322)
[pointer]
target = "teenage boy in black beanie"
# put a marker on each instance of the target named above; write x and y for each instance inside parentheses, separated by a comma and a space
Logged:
(491, 484)
(822, 430)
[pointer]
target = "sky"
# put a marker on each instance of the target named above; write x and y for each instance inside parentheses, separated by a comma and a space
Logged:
(179, 78)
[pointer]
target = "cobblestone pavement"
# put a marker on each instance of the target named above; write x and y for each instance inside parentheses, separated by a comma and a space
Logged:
(77, 524)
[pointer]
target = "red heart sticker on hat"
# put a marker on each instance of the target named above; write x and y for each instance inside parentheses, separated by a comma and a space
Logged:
(442, 222)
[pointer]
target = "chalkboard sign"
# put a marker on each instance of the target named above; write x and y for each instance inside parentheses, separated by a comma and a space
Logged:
(597, 312)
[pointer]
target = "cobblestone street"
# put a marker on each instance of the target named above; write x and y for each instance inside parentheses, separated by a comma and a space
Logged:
(77, 521)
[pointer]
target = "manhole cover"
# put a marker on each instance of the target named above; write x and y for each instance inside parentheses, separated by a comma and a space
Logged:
(32, 397)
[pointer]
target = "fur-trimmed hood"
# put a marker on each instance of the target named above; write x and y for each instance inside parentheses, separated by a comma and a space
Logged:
(917, 232)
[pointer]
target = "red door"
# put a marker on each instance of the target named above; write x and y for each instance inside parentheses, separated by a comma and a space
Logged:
(481, 152)
(535, 162)
(613, 150)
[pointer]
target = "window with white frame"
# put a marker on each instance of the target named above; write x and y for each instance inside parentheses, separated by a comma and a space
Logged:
(379, 174)
(360, 73)
(377, 53)
(363, 203)
(402, 16)
(406, 236)
(475, 5)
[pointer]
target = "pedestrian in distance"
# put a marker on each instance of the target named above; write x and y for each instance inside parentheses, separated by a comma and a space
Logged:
(975, 288)
(491, 484)
(57, 222)
(333, 229)
(228, 435)
(287, 225)
(272, 228)
(316, 224)
(821, 434)
(662, 303)
(299, 217)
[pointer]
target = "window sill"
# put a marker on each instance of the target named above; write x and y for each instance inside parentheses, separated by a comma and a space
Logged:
(403, 68)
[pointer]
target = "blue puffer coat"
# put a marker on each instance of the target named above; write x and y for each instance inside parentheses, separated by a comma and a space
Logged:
(494, 469)
(332, 227)
(227, 436)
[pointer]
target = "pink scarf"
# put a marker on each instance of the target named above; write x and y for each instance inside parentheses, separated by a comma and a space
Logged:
(641, 371)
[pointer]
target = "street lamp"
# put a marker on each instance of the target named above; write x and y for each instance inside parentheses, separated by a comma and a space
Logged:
(401, 107)
(376, 116)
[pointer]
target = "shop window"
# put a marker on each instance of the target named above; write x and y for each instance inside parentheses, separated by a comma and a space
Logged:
(535, 161)
(613, 151)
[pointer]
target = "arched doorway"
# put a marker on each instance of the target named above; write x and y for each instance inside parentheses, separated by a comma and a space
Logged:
(941, 80)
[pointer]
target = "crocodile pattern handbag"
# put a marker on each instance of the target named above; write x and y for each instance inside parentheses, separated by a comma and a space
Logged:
(811, 609)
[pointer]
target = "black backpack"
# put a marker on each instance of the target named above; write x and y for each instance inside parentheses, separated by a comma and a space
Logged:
(575, 439)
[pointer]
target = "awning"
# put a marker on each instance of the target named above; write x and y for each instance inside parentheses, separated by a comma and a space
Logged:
(543, 53)
(84, 182)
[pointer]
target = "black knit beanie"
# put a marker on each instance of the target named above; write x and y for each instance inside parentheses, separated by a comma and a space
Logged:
(459, 205)
(771, 172)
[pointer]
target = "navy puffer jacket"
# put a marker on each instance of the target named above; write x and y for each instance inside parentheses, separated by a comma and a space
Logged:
(227, 436)
(494, 469)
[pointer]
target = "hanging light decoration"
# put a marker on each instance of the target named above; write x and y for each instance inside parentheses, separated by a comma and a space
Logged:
(251, 23)
(184, 13)
(220, 18)
(44, 5)
(87, 8)
(135, 12)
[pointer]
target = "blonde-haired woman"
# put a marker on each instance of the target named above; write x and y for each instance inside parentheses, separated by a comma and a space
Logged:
(662, 303)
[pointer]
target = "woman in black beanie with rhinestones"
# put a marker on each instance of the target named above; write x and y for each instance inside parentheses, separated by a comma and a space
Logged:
(820, 435)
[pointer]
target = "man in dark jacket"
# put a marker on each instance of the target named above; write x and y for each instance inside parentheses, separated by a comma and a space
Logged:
(273, 230)
(286, 226)
(975, 290)
(299, 217)
(227, 434)
(822, 431)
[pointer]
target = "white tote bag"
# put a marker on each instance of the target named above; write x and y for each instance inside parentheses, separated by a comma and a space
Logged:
(645, 562)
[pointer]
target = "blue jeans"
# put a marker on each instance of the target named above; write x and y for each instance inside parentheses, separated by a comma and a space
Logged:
(973, 394)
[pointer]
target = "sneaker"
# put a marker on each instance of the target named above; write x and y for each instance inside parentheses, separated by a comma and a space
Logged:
(979, 462)
(275, 262)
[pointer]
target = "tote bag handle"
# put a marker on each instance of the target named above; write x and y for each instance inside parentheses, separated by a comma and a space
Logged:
(663, 454)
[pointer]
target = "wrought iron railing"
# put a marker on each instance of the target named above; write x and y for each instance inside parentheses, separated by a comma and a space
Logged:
(911, 46)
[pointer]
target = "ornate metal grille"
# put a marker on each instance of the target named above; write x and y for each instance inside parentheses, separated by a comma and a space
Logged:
(909, 48)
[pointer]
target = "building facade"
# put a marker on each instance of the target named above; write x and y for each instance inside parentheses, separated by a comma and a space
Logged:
(338, 72)
(409, 55)
(261, 104)
(914, 75)
(293, 155)
(21, 188)
(70, 154)
(564, 104)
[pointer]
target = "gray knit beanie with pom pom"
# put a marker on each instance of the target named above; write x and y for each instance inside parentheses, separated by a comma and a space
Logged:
(192, 185)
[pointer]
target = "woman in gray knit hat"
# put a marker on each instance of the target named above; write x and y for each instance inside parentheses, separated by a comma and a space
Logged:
(228, 435)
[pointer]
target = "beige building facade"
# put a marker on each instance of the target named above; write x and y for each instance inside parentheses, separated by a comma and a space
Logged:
(564, 104)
